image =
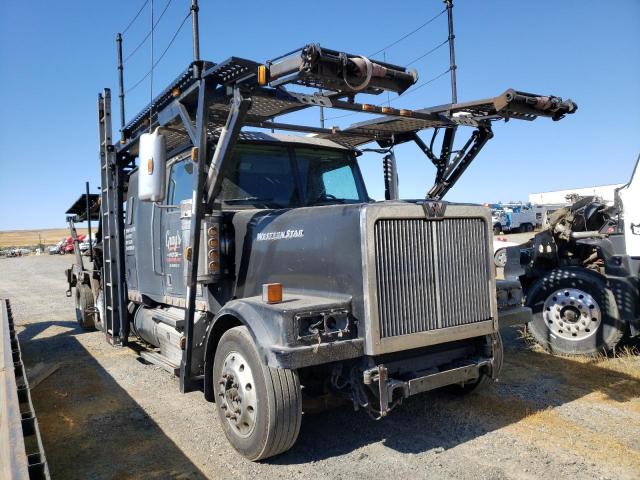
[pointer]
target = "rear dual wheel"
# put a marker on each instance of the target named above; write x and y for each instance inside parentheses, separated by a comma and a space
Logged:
(85, 307)
(260, 407)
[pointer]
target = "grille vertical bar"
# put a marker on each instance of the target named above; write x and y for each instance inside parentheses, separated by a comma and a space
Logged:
(431, 274)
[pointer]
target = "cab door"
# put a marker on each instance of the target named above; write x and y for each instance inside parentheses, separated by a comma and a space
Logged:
(180, 187)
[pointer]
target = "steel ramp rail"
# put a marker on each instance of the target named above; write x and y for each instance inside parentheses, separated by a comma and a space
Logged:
(508, 105)
(270, 99)
(21, 451)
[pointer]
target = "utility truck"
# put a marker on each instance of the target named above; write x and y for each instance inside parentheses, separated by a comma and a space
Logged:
(581, 275)
(513, 217)
(255, 266)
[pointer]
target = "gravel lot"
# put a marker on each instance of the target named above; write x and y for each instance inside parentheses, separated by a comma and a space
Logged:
(104, 414)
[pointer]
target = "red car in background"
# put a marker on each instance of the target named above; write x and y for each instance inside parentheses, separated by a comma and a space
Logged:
(67, 246)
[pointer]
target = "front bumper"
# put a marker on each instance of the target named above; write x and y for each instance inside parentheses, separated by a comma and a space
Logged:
(294, 357)
(387, 387)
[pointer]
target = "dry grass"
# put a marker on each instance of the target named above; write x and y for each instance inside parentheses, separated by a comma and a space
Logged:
(29, 238)
(624, 359)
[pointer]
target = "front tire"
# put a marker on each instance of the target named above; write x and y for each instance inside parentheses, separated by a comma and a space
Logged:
(259, 407)
(574, 313)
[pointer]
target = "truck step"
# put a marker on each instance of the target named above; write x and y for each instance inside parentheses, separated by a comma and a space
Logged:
(161, 361)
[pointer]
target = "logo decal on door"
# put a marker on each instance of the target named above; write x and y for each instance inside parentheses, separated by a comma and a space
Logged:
(174, 248)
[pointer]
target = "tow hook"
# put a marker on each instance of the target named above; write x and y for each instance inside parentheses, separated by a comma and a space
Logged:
(386, 387)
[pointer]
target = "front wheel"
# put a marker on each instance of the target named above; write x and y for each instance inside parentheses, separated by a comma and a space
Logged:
(574, 313)
(260, 408)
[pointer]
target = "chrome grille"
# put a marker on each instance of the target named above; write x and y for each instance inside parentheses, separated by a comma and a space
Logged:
(431, 274)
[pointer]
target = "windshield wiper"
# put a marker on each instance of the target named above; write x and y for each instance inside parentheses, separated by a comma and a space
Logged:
(248, 200)
(328, 199)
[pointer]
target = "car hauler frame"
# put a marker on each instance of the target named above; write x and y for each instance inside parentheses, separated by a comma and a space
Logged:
(404, 303)
(206, 108)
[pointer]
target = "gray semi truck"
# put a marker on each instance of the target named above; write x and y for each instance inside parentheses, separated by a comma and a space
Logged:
(256, 267)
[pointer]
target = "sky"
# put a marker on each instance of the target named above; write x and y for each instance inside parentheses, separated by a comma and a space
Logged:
(55, 57)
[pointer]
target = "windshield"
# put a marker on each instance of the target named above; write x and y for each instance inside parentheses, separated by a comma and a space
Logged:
(282, 176)
(328, 176)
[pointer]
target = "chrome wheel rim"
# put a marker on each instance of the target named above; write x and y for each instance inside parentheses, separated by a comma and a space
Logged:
(572, 314)
(236, 394)
(501, 258)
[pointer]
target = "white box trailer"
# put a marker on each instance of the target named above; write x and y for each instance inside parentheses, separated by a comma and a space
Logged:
(563, 197)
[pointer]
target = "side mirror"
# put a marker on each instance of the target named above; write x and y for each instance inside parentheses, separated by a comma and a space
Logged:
(152, 168)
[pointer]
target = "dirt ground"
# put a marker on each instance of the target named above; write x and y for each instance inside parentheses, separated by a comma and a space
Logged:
(105, 415)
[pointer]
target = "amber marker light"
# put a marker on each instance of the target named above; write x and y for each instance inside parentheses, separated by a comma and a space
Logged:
(150, 166)
(262, 75)
(272, 292)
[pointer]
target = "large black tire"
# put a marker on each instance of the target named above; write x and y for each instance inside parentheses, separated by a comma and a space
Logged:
(497, 229)
(260, 408)
(84, 307)
(574, 313)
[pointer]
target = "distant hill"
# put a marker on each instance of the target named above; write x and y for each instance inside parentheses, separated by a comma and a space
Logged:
(29, 238)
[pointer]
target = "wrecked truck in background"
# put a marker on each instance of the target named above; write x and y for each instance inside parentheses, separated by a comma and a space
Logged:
(581, 275)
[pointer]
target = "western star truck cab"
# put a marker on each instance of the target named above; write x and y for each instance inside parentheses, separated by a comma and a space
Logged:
(255, 266)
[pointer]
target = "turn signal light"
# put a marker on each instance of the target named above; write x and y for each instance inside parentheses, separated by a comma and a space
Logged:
(150, 166)
(272, 292)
